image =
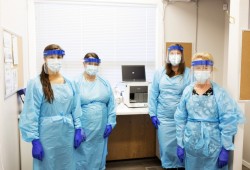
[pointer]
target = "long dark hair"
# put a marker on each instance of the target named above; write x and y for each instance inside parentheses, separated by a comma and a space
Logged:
(181, 67)
(44, 77)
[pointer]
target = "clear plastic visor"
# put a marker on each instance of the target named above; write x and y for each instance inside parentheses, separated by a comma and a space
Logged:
(202, 71)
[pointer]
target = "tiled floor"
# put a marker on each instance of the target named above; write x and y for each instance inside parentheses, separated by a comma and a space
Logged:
(139, 164)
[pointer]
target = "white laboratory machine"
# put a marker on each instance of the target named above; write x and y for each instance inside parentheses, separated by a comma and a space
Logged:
(136, 94)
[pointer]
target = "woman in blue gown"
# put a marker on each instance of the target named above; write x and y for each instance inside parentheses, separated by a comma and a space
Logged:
(206, 120)
(98, 115)
(51, 116)
(165, 94)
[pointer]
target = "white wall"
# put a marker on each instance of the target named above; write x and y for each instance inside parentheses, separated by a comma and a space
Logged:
(226, 37)
(13, 15)
(246, 146)
(1, 90)
(180, 25)
(213, 37)
(239, 11)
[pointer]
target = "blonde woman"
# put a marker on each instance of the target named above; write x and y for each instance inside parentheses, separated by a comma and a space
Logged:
(206, 120)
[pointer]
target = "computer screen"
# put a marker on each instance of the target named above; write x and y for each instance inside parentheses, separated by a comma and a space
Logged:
(135, 73)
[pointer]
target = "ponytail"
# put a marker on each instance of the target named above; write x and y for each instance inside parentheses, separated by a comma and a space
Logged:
(47, 90)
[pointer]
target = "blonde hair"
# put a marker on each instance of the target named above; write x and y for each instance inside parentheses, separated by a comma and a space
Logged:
(202, 56)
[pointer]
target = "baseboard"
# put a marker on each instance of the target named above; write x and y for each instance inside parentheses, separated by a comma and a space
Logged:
(246, 164)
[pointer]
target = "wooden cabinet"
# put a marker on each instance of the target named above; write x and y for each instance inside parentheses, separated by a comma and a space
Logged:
(133, 137)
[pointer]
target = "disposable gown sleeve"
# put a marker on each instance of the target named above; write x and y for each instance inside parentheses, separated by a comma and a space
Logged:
(29, 118)
(230, 115)
(153, 95)
(77, 111)
(180, 117)
(111, 108)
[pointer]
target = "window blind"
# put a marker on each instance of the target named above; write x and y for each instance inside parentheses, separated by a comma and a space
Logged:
(120, 34)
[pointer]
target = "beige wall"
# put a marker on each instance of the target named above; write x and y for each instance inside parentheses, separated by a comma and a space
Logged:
(13, 15)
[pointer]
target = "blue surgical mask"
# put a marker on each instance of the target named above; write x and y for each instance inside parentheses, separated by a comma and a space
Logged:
(54, 65)
(202, 76)
(91, 70)
(174, 59)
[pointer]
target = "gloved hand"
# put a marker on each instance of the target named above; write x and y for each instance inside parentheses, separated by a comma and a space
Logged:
(180, 153)
(223, 158)
(37, 149)
(107, 131)
(79, 137)
(155, 121)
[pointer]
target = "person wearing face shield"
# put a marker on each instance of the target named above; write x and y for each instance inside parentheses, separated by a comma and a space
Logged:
(167, 87)
(98, 115)
(206, 120)
(51, 115)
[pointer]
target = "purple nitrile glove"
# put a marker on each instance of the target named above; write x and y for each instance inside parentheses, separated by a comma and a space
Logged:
(107, 131)
(180, 153)
(223, 158)
(79, 137)
(37, 149)
(155, 121)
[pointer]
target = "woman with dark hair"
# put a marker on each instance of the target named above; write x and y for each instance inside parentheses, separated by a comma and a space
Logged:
(98, 115)
(165, 94)
(51, 115)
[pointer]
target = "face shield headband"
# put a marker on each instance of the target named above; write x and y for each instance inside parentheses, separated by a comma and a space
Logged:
(202, 62)
(175, 47)
(92, 60)
(53, 52)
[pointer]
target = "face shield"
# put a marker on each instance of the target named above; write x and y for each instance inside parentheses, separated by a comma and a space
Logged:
(175, 55)
(53, 61)
(201, 71)
(91, 66)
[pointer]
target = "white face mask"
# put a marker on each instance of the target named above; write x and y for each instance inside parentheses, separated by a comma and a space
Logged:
(175, 59)
(202, 76)
(54, 65)
(91, 70)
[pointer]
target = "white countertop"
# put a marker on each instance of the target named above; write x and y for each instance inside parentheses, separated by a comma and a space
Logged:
(122, 109)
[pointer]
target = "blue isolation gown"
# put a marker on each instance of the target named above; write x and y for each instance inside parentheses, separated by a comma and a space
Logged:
(54, 124)
(98, 110)
(204, 125)
(165, 95)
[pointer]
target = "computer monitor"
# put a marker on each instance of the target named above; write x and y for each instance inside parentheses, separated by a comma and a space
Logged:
(133, 73)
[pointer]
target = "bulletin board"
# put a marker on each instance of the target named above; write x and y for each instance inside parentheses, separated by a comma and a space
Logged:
(187, 51)
(245, 67)
(13, 62)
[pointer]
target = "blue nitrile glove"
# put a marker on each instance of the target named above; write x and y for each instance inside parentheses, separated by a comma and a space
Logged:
(223, 158)
(180, 153)
(37, 149)
(79, 137)
(155, 121)
(107, 131)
